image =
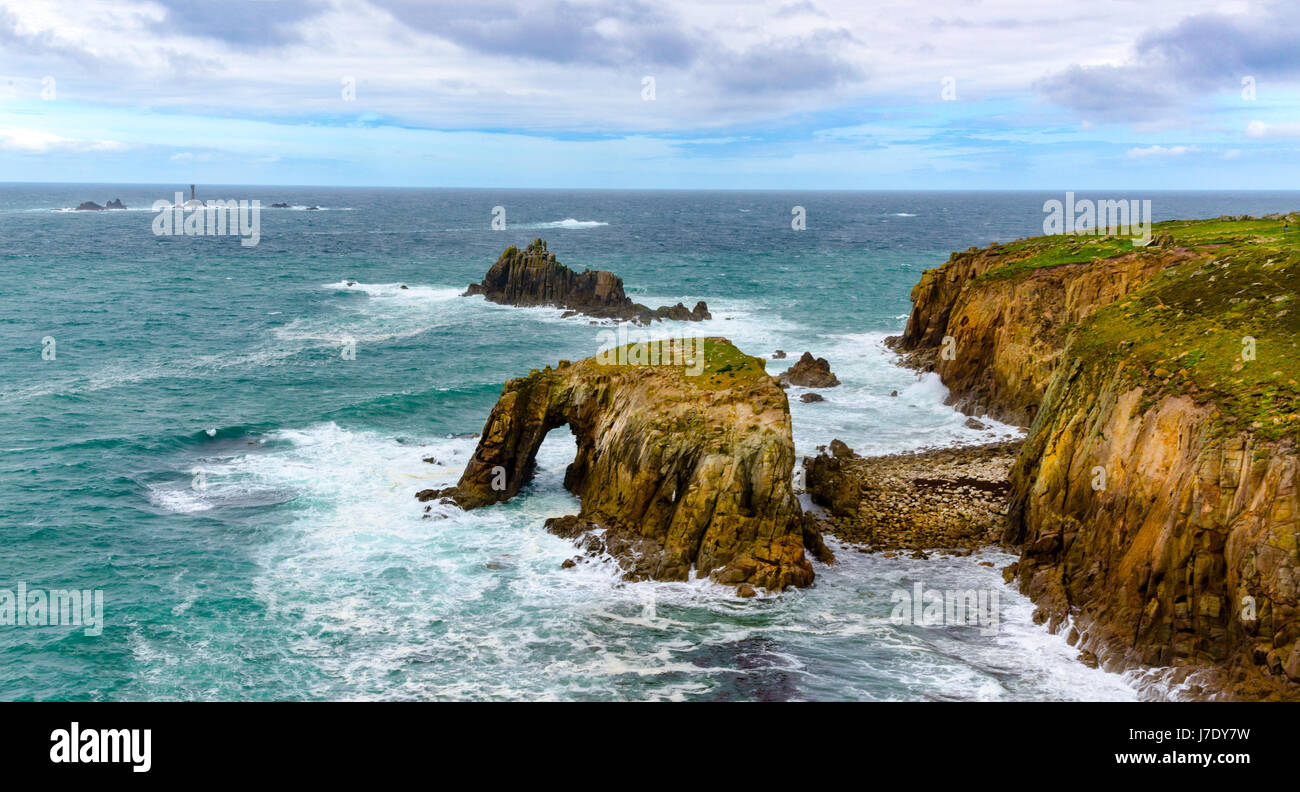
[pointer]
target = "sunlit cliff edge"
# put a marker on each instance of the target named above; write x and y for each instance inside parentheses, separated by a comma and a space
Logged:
(1154, 499)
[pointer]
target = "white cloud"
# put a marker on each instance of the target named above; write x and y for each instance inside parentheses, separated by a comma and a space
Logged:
(1160, 151)
(34, 141)
(1259, 129)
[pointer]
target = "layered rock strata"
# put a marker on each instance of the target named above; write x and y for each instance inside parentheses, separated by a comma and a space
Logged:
(1155, 497)
(679, 476)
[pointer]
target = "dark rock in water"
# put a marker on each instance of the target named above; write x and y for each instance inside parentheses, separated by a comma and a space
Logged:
(810, 372)
(403, 285)
(778, 354)
(811, 397)
(116, 203)
(279, 206)
(972, 423)
(352, 283)
(431, 460)
(88, 206)
(745, 590)
(569, 563)
(533, 276)
(312, 208)
(893, 393)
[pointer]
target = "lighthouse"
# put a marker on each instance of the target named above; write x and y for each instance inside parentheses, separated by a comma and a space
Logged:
(192, 203)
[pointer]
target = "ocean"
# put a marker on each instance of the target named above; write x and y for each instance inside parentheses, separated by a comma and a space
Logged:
(194, 444)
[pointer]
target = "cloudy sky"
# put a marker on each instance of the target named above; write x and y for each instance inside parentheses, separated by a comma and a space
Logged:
(862, 94)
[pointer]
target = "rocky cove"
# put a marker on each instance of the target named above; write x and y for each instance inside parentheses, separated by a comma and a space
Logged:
(1152, 501)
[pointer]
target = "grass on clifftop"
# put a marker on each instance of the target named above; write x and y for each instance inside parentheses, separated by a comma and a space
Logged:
(1025, 255)
(724, 364)
(1186, 329)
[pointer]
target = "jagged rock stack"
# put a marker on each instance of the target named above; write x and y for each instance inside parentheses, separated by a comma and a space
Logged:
(533, 276)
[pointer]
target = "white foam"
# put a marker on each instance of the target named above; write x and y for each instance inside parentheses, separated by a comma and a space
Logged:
(384, 604)
(566, 223)
(396, 290)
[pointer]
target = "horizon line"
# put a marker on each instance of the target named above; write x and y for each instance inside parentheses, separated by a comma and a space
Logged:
(675, 189)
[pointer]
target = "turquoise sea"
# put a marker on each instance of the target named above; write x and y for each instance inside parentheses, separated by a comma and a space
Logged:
(200, 450)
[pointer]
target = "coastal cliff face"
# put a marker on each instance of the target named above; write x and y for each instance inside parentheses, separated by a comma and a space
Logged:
(1155, 496)
(989, 311)
(676, 471)
(533, 276)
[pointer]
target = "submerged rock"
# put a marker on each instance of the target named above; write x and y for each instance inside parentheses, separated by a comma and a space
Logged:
(674, 472)
(533, 276)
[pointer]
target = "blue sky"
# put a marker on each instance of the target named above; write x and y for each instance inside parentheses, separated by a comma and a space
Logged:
(806, 94)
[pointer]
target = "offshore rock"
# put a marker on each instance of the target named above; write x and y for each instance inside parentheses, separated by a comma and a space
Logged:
(533, 276)
(679, 476)
(810, 372)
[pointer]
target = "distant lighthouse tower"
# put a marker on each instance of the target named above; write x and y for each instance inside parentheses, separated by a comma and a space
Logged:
(192, 203)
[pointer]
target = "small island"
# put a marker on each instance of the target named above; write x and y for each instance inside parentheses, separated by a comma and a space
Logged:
(533, 276)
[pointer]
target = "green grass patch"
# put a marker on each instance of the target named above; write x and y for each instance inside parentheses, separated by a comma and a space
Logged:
(1026, 255)
(1194, 327)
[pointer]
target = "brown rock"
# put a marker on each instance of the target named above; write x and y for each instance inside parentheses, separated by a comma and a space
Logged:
(673, 472)
(810, 372)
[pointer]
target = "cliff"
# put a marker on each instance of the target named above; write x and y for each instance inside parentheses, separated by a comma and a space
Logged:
(533, 276)
(679, 468)
(1155, 495)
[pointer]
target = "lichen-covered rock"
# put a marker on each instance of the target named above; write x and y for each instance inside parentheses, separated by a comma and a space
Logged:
(533, 276)
(677, 474)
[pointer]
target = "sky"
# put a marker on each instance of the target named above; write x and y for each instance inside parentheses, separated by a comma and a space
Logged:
(779, 94)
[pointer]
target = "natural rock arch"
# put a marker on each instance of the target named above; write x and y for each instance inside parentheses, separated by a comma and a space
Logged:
(675, 473)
